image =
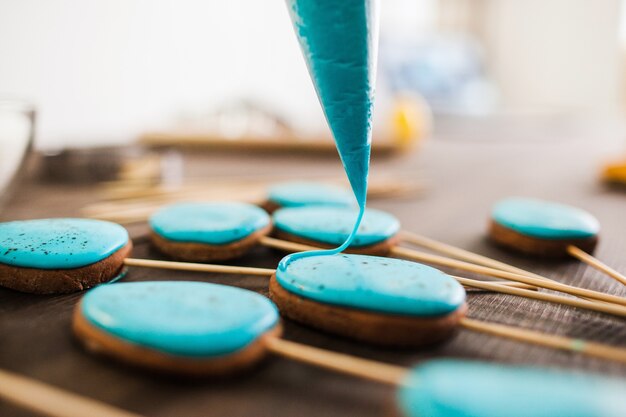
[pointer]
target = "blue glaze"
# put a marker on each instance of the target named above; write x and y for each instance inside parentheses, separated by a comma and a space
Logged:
(59, 243)
(448, 388)
(545, 220)
(181, 318)
(373, 283)
(210, 223)
(332, 225)
(339, 41)
(297, 194)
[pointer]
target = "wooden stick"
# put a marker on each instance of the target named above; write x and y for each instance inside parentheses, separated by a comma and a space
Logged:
(595, 263)
(347, 364)
(462, 254)
(485, 285)
(296, 247)
(597, 350)
(224, 269)
(465, 266)
(542, 296)
(188, 266)
(50, 401)
(280, 244)
(465, 255)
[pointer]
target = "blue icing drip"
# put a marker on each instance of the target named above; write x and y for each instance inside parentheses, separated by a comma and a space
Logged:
(332, 225)
(210, 223)
(373, 283)
(448, 388)
(544, 219)
(59, 243)
(296, 194)
(181, 318)
(339, 41)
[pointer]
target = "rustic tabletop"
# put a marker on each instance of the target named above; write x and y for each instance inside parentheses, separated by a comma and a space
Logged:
(464, 178)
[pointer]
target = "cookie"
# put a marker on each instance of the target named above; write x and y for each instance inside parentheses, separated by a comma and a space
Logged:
(301, 194)
(186, 328)
(454, 388)
(329, 227)
(382, 301)
(53, 256)
(541, 228)
(203, 232)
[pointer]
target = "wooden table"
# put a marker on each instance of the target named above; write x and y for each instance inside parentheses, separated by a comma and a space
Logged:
(464, 177)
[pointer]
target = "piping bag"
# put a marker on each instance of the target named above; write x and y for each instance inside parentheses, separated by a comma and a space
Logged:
(339, 41)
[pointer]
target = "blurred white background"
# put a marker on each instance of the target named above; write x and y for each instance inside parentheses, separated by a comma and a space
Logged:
(103, 71)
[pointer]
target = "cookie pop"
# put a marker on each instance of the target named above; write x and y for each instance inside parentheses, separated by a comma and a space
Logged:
(545, 229)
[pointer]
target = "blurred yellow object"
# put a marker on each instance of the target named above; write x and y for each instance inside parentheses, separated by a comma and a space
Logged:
(615, 173)
(411, 120)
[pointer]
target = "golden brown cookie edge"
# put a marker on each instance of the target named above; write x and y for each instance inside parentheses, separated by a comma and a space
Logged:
(375, 328)
(202, 252)
(102, 343)
(548, 248)
(62, 281)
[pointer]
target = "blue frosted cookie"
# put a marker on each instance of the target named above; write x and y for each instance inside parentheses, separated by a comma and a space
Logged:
(542, 228)
(202, 232)
(303, 194)
(330, 227)
(49, 256)
(181, 327)
(453, 388)
(378, 300)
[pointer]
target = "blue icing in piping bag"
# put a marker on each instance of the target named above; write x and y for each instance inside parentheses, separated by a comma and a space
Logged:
(339, 41)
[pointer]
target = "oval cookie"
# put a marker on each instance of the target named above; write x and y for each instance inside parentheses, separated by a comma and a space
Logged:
(208, 231)
(452, 388)
(50, 256)
(378, 300)
(180, 327)
(542, 228)
(300, 193)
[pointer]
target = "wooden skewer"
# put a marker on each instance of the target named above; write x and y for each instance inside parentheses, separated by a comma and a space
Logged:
(465, 255)
(557, 342)
(595, 263)
(292, 246)
(227, 269)
(552, 298)
(50, 401)
(189, 266)
(140, 202)
(465, 266)
(137, 190)
(351, 365)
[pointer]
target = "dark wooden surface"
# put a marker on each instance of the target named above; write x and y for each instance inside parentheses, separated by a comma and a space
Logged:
(464, 177)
